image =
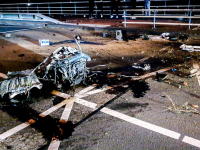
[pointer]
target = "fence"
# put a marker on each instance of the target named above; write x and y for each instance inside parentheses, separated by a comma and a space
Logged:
(72, 8)
(187, 16)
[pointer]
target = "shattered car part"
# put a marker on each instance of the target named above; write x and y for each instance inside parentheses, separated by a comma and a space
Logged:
(190, 48)
(64, 65)
(19, 85)
(144, 67)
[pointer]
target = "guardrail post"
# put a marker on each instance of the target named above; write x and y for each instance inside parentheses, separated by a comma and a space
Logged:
(154, 20)
(27, 8)
(49, 10)
(165, 8)
(18, 8)
(61, 8)
(75, 8)
(190, 18)
(37, 9)
(124, 18)
(96, 8)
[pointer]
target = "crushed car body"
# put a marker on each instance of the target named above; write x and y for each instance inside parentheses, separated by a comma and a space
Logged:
(65, 64)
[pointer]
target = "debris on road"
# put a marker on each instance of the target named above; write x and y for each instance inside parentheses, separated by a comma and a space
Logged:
(119, 35)
(190, 48)
(65, 65)
(160, 77)
(7, 35)
(185, 108)
(144, 67)
(165, 35)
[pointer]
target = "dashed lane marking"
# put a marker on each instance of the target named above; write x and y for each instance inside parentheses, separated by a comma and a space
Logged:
(191, 141)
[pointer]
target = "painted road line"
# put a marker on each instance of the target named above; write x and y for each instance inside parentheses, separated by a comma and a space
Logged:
(132, 120)
(141, 123)
(52, 109)
(86, 103)
(60, 94)
(31, 121)
(14, 130)
(196, 66)
(191, 141)
(85, 90)
(68, 109)
(54, 145)
(91, 92)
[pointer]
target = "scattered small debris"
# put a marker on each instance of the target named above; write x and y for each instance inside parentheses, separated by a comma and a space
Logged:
(185, 108)
(144, 67)
(174, 69)
(165, 35)
(145, 37)
(7, 35)
(193, 71)
(21, 55)
(105, 34)
(184, 37)
(160, 77)
(119, 35)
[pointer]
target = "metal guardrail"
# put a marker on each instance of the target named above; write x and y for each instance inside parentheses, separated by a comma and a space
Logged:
(171, 16)
(64, 8)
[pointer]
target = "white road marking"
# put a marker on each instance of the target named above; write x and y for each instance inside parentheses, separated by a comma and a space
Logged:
(86, 103)
(91, 92)
(196, 66)
(141, 123)
(80, 101)
(54, 145)
(28, 123)
(85, 90)
(132, 120)
(191, 141)
(14, 130)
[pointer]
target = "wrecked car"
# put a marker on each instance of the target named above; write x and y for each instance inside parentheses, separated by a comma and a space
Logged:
(65, 64)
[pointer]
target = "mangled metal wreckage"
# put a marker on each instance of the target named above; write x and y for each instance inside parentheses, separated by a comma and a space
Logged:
(65, 64)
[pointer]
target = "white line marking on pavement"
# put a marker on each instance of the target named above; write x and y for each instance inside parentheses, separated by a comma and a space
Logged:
(141, 123)
(132, 120)
(91, 92)
(85, 90)
(31, 121)
(191, 141)
(54, 145)
(196, 66)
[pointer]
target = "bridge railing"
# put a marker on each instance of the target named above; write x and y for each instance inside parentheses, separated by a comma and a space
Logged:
(153, 14)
